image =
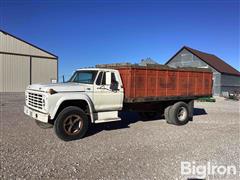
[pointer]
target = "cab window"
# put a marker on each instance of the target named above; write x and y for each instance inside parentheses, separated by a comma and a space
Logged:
(113, 77)
(83, 76)
(101, 80)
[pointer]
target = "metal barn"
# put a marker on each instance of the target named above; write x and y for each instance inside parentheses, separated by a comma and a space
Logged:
(225, 77)
(22, 63)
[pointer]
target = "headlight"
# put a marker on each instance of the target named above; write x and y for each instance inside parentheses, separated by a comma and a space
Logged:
(52, 91)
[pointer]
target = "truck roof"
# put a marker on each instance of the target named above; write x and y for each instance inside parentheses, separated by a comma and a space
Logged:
(96, 69)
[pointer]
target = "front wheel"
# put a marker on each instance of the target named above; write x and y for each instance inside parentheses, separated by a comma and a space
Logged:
(71, 124)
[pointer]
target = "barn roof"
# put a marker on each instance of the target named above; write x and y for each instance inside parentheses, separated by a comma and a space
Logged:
(32, 45)
(212, 61)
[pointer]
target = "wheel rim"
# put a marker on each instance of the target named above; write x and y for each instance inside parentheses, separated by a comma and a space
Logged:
(72, 124)
(182, 114)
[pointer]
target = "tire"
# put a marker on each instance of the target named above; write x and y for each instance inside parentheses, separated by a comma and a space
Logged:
(166, 114)
(148, 115)
(179, 114)
(71, 124)
(43, 125)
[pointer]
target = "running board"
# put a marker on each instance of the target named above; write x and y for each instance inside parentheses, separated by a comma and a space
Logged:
(107, 120)
(108, 116)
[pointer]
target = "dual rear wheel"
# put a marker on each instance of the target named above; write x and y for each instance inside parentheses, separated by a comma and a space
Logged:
(177, 114)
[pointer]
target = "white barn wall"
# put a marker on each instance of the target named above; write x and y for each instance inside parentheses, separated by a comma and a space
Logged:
(43, 70)
(15, 73)
(22, 63)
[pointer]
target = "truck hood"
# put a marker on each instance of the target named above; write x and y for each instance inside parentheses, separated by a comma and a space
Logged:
(60, 87)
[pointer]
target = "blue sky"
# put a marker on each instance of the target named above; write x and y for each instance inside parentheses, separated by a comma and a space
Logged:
(85, 33)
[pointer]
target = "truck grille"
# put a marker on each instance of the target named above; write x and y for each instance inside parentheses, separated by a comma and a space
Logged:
(35, 101)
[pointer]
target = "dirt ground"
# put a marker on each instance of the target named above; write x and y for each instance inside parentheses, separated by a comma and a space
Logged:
(129, 149)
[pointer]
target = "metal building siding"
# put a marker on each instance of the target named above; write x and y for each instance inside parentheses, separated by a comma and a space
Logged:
(230, 83)
(10, 44)
(186, 59)
(1, 73)
(15, 74)
(43, 70)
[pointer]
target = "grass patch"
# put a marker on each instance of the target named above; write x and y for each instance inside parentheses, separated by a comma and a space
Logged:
(206, 99)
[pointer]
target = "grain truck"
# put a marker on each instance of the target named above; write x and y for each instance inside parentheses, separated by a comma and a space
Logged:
(99, 94)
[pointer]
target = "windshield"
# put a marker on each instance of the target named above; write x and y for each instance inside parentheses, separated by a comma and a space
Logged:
(86, 77)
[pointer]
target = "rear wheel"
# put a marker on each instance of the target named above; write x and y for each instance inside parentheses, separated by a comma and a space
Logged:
(166, 114)
(43, 125)
(72, 123)
(179, 114)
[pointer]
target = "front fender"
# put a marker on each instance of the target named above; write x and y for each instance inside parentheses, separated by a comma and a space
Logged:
(53, 107)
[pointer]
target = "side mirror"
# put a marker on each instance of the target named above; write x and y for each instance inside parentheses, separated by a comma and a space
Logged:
(108, 78)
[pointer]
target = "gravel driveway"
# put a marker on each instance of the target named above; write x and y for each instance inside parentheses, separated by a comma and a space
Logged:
(130, 149)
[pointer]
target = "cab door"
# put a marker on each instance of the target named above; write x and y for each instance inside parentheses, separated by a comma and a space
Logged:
(105, 98)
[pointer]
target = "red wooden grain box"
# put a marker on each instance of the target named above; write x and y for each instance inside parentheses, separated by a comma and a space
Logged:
(160, 82)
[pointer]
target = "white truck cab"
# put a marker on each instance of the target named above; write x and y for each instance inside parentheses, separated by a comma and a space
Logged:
(92, 95)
